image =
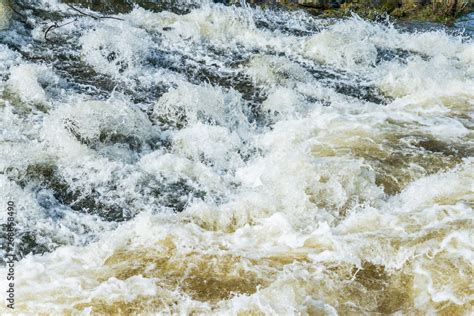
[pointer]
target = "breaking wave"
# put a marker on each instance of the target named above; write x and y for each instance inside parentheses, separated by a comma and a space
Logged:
(199, 158)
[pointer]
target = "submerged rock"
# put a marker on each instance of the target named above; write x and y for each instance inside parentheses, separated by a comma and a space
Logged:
(321, 4)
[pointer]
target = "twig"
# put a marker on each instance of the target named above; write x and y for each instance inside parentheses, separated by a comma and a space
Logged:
(92, 16)
(110, 17)
(54, 27)
(49, 29)
(77, 10)
(95, 17)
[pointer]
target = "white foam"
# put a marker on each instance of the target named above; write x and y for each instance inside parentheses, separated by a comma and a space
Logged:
(315, 201)
(116, 49)
(27, 82)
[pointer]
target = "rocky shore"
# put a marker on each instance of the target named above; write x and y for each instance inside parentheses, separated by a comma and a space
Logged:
(423, 10)
(444, 11)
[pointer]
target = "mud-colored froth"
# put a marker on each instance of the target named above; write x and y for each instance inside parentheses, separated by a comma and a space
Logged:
(196, 158)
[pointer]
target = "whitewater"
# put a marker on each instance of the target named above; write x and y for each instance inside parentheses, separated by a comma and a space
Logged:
(194, 158)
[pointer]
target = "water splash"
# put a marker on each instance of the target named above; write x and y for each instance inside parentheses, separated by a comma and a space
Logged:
(196, 157)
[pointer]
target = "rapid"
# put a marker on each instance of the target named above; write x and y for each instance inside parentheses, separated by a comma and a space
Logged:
(190, 157)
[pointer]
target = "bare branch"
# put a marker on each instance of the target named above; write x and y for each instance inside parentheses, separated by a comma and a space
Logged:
(54, 27)
(95, 17)
(92, 16)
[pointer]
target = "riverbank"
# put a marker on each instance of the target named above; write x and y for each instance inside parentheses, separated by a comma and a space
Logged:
(441, 11)
(444, 11)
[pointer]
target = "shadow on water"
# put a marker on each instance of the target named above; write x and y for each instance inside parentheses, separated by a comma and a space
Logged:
(463, 26)
(466, 23)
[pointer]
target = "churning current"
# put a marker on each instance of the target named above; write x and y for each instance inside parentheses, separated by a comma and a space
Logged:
(196, 158)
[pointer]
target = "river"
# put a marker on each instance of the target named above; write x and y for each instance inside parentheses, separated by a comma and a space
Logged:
(189, 157)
